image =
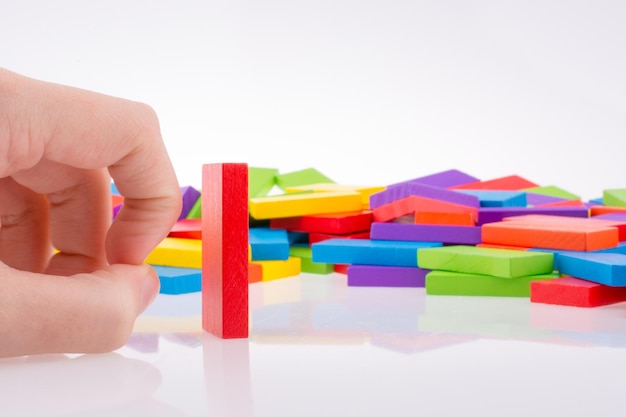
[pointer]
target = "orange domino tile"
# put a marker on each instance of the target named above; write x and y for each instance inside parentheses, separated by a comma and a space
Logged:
(597, 210)
(550, 236)
(573, 222)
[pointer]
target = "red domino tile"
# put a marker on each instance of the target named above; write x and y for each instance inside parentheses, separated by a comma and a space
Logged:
(508, 183)
(187, 229)
(320, 237)
(569, 291)
(333, 223)
(225, 250)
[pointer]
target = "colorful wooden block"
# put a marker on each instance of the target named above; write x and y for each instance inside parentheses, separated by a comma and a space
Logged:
(305, 176)
(614, 197)
(490, 198)
(509, 182)
(447, 234)
(385, 276)
(255, 273)
(292, 205)
(261, 181)
(268, 244)
(225, 250)
(364, 190)
(554, 191)
(535, 199)
(603, 268)
(179, 280)
(177, 252)
(117, 201)
(368, 252)
(305, 253)
(496, 214)
(550, 236)
(402, 191)
(574, 222)
(502, 263)
(413, 204)
(320, 237)
(458, 219)
(190, 196)
(457, 283)
(565, 203)
(444, 179)
(597, 210)
(196, 210)
(187, 228)
(331, 223)
(569, 291)
(272, 270)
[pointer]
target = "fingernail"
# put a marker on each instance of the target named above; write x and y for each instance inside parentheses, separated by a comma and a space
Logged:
(150, 289)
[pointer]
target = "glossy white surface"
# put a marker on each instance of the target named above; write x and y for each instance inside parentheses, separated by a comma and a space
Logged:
(318, 347)
(369, 92)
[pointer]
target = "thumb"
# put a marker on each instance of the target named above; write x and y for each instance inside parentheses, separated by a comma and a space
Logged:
(83, 313)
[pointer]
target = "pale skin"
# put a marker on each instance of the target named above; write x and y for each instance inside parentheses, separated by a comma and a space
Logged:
(71, 280)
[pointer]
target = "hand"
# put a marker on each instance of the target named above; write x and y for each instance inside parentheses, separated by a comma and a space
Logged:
(71, 281)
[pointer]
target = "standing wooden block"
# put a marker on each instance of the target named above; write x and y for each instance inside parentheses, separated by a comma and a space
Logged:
(225, 250)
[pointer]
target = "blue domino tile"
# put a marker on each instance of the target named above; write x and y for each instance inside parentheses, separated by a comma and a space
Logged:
(369, 252)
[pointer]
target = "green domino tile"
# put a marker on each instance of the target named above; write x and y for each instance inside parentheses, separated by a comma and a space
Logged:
(458, 283)
(306, 176)
(196, 210)
(614, 197)
(504, 263)
(304, 252)
(261, 181)
(553, 191)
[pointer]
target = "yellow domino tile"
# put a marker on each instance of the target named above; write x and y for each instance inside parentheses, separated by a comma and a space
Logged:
(280, 268)
(178, 252)
(364, 190)
(287, 205)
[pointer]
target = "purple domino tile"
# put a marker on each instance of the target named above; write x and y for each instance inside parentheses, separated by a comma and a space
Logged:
(450, 234)
(534, 199)
(496, 214)
(386, 276)
(190, 196)
(444, 179)
(398, 192)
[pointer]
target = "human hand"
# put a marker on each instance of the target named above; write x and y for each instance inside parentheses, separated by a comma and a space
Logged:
(59, 148)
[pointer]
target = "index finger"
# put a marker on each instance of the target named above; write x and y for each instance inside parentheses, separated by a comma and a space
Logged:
(89, 130)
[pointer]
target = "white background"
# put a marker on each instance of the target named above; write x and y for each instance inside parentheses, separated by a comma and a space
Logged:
(368, 92)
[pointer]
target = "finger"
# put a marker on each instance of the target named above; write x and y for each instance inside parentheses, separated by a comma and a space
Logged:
(90, 131)
(80, 214)
(84, 313)
(24, 241)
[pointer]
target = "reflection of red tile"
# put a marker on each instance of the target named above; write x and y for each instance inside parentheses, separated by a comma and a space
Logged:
(607, 319)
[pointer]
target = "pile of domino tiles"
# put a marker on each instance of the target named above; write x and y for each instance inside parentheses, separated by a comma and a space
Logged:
(449, 232)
